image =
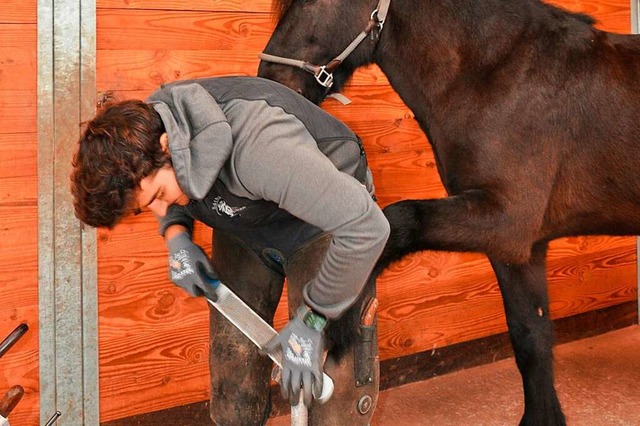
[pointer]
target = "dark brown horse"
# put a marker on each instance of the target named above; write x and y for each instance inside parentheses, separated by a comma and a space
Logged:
(532, 114)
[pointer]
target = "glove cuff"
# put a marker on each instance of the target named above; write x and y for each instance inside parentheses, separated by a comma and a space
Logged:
(312, 319)
(178, 242)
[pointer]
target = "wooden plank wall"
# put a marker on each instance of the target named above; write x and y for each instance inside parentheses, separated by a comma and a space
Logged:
(18, 203)
(153, 340)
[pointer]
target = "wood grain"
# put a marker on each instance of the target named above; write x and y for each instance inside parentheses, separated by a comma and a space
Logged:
(18, 110)
(186, 30)
(18, 285)
(18, 169)
(148, 69)
(153, 338)
(244, 6)
(18, 204)
(17, 57)
(17, 77)
(18, 12)
(434, 299)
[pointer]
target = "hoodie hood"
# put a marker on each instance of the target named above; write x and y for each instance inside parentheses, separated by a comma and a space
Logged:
(200, 141)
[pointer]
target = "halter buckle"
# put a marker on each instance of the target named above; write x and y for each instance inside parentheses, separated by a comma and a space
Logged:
(324, 78)
(379, 22)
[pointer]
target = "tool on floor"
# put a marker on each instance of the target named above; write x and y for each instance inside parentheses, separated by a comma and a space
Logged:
(12, 338)
(53, 418)
(9, 402)
(260, 333)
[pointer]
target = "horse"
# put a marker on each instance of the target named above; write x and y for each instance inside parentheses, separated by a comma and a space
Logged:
(531, 114)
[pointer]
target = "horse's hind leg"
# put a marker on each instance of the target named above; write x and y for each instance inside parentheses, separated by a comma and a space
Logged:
(524, 293)
(352, 362)
(473, 221)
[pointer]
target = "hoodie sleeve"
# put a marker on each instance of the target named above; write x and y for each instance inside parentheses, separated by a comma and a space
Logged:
(284, 165)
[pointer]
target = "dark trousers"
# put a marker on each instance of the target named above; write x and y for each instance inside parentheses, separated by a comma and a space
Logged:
(240, 375)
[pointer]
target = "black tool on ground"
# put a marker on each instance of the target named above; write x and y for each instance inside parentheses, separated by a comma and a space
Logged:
(12, 338)
(53, 418)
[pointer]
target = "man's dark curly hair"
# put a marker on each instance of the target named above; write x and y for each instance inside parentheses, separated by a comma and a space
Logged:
(118, 148)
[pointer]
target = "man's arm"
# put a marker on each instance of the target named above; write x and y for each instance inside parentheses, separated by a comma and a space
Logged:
(290, 170)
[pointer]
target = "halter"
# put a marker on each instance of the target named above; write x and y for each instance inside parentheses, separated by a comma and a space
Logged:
(324, 73)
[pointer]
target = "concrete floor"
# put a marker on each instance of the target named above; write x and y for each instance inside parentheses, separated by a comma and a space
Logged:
(598, 382)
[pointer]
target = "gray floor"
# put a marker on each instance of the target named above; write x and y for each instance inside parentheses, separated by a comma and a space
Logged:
(598, 381)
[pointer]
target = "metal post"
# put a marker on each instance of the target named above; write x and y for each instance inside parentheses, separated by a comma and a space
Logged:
(66, 252)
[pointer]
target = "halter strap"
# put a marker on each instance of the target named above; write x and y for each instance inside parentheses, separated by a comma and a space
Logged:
(324, 73)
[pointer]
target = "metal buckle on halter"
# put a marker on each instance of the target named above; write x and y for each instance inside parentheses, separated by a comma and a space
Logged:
(324, 78)
(374, 17)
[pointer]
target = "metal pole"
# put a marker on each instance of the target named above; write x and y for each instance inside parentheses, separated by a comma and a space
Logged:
(66, 252)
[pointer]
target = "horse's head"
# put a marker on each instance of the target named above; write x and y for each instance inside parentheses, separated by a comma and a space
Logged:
(307, 49)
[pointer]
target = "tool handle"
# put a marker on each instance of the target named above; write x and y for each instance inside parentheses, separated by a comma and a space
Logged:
(10, 400)
(299, 413)
(211, 293)
(214, 282)
(254, 327)
(12, 338)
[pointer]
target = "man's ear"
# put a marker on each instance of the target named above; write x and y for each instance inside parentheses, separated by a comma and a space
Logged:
(164, 142)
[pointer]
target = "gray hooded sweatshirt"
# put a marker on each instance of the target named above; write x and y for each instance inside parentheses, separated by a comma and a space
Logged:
(261, 161)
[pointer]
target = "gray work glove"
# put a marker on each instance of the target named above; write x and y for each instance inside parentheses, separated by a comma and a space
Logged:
(189, 267)
(302, 356)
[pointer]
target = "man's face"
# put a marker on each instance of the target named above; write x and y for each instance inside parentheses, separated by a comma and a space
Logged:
(159, 191)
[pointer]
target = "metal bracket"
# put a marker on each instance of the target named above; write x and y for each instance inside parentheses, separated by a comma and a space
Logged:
(324, 78)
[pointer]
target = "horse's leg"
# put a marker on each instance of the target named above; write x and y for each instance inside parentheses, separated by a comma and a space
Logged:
(240, 376)
(473, 221)
(352, 340)
(524, 293)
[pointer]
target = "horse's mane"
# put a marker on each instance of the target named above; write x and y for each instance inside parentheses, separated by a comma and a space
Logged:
(583, 17)
(279, 7)
(587, 19)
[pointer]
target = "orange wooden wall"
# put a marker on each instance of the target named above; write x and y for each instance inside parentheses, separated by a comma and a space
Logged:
(18, 203)
(153, 339)
(153, 350)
